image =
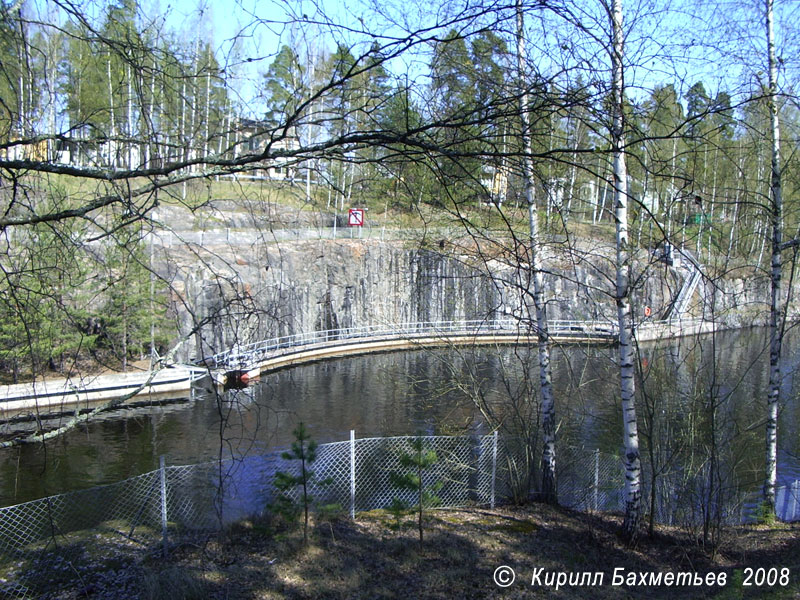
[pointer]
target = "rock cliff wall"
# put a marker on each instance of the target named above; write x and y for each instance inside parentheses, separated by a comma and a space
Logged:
(236, 294)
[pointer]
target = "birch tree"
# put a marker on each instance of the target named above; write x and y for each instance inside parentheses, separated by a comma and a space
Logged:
(630, 525)
(549, 490)
(776, 217)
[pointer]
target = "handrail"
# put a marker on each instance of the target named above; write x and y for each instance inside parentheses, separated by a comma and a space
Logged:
(241, 355)
(688, 288)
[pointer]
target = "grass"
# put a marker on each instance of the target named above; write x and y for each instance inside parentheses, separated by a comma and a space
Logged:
(368, 559)
(173, 583)
(392, 213)
(256, 194)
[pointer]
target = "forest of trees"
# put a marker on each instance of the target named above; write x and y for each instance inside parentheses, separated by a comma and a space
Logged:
(669, 124)
(125, 92)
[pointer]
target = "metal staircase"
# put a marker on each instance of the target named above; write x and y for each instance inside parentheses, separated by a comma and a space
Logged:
(690, 282)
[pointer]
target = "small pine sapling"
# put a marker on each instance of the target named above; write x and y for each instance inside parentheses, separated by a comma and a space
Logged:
(303, 449)
(398, 509)
(416, 463)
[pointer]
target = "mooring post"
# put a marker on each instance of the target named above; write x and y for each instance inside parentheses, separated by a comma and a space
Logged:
(494, 466)
(352, 473)
(163, 475)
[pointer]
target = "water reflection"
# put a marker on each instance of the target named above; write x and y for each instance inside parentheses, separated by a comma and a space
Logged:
(688, 389)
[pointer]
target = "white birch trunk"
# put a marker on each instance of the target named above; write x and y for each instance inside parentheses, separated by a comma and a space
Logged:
(51, 109)
(79, 116)
(713, 204)
(733, 220)
(309, 132)
(773, 395)
(193, 116)
(164, 149)
(22, 116)
(112, 153)
(151, 131)
(129, 141)
(603, 198)
(193, 126)
(221, 134)
(206, 130)
(25, 80)
(762, 235)
(573, 173)
(181, 151)
(549, 489)
(228, 121)
(626, 352)
(236, 140)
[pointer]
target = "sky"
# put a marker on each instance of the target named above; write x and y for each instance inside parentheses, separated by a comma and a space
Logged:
(671, 41)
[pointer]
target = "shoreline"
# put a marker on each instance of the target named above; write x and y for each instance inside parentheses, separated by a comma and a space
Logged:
(69, 395)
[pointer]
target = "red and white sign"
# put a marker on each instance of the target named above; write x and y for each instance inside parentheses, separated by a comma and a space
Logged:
(356, 217)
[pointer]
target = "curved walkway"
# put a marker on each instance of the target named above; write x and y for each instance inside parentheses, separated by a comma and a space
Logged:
(68, 395)
(274, 353)
(338, 342)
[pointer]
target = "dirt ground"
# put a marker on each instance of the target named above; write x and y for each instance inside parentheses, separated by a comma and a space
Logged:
(460, 557)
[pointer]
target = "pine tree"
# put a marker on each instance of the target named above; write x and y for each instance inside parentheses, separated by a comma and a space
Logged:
(416, 464)
(304, 449)
(134, 314)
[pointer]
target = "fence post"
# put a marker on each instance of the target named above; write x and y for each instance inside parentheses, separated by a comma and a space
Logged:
(352, 473)
(494, 465)
(163, 475)
(796, 503)
(596, 476)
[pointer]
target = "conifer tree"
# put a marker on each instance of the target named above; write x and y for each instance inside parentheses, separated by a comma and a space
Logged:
(416, 464)
(304, 450)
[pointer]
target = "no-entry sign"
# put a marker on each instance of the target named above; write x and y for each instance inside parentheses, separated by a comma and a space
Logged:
(356, 217)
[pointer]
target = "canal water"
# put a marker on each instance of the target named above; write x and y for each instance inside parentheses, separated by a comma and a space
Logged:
(684, 386)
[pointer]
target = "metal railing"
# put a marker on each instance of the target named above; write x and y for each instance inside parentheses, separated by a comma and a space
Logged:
(690, 283)
(245, 356)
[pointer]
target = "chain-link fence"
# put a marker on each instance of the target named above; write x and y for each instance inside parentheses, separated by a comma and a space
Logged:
(74, 530)
(674, 494)
(65, 535)
(590, 480)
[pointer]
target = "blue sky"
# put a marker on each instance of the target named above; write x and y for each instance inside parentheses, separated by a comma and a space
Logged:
(679, 41)
(682, 41)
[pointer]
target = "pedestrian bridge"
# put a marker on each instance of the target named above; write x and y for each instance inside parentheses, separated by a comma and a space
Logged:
(175, 381)
(304, 347)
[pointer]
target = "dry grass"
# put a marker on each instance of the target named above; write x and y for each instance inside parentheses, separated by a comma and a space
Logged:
(366, 559)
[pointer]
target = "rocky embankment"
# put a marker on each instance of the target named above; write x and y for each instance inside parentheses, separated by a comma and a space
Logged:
(233, 283)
